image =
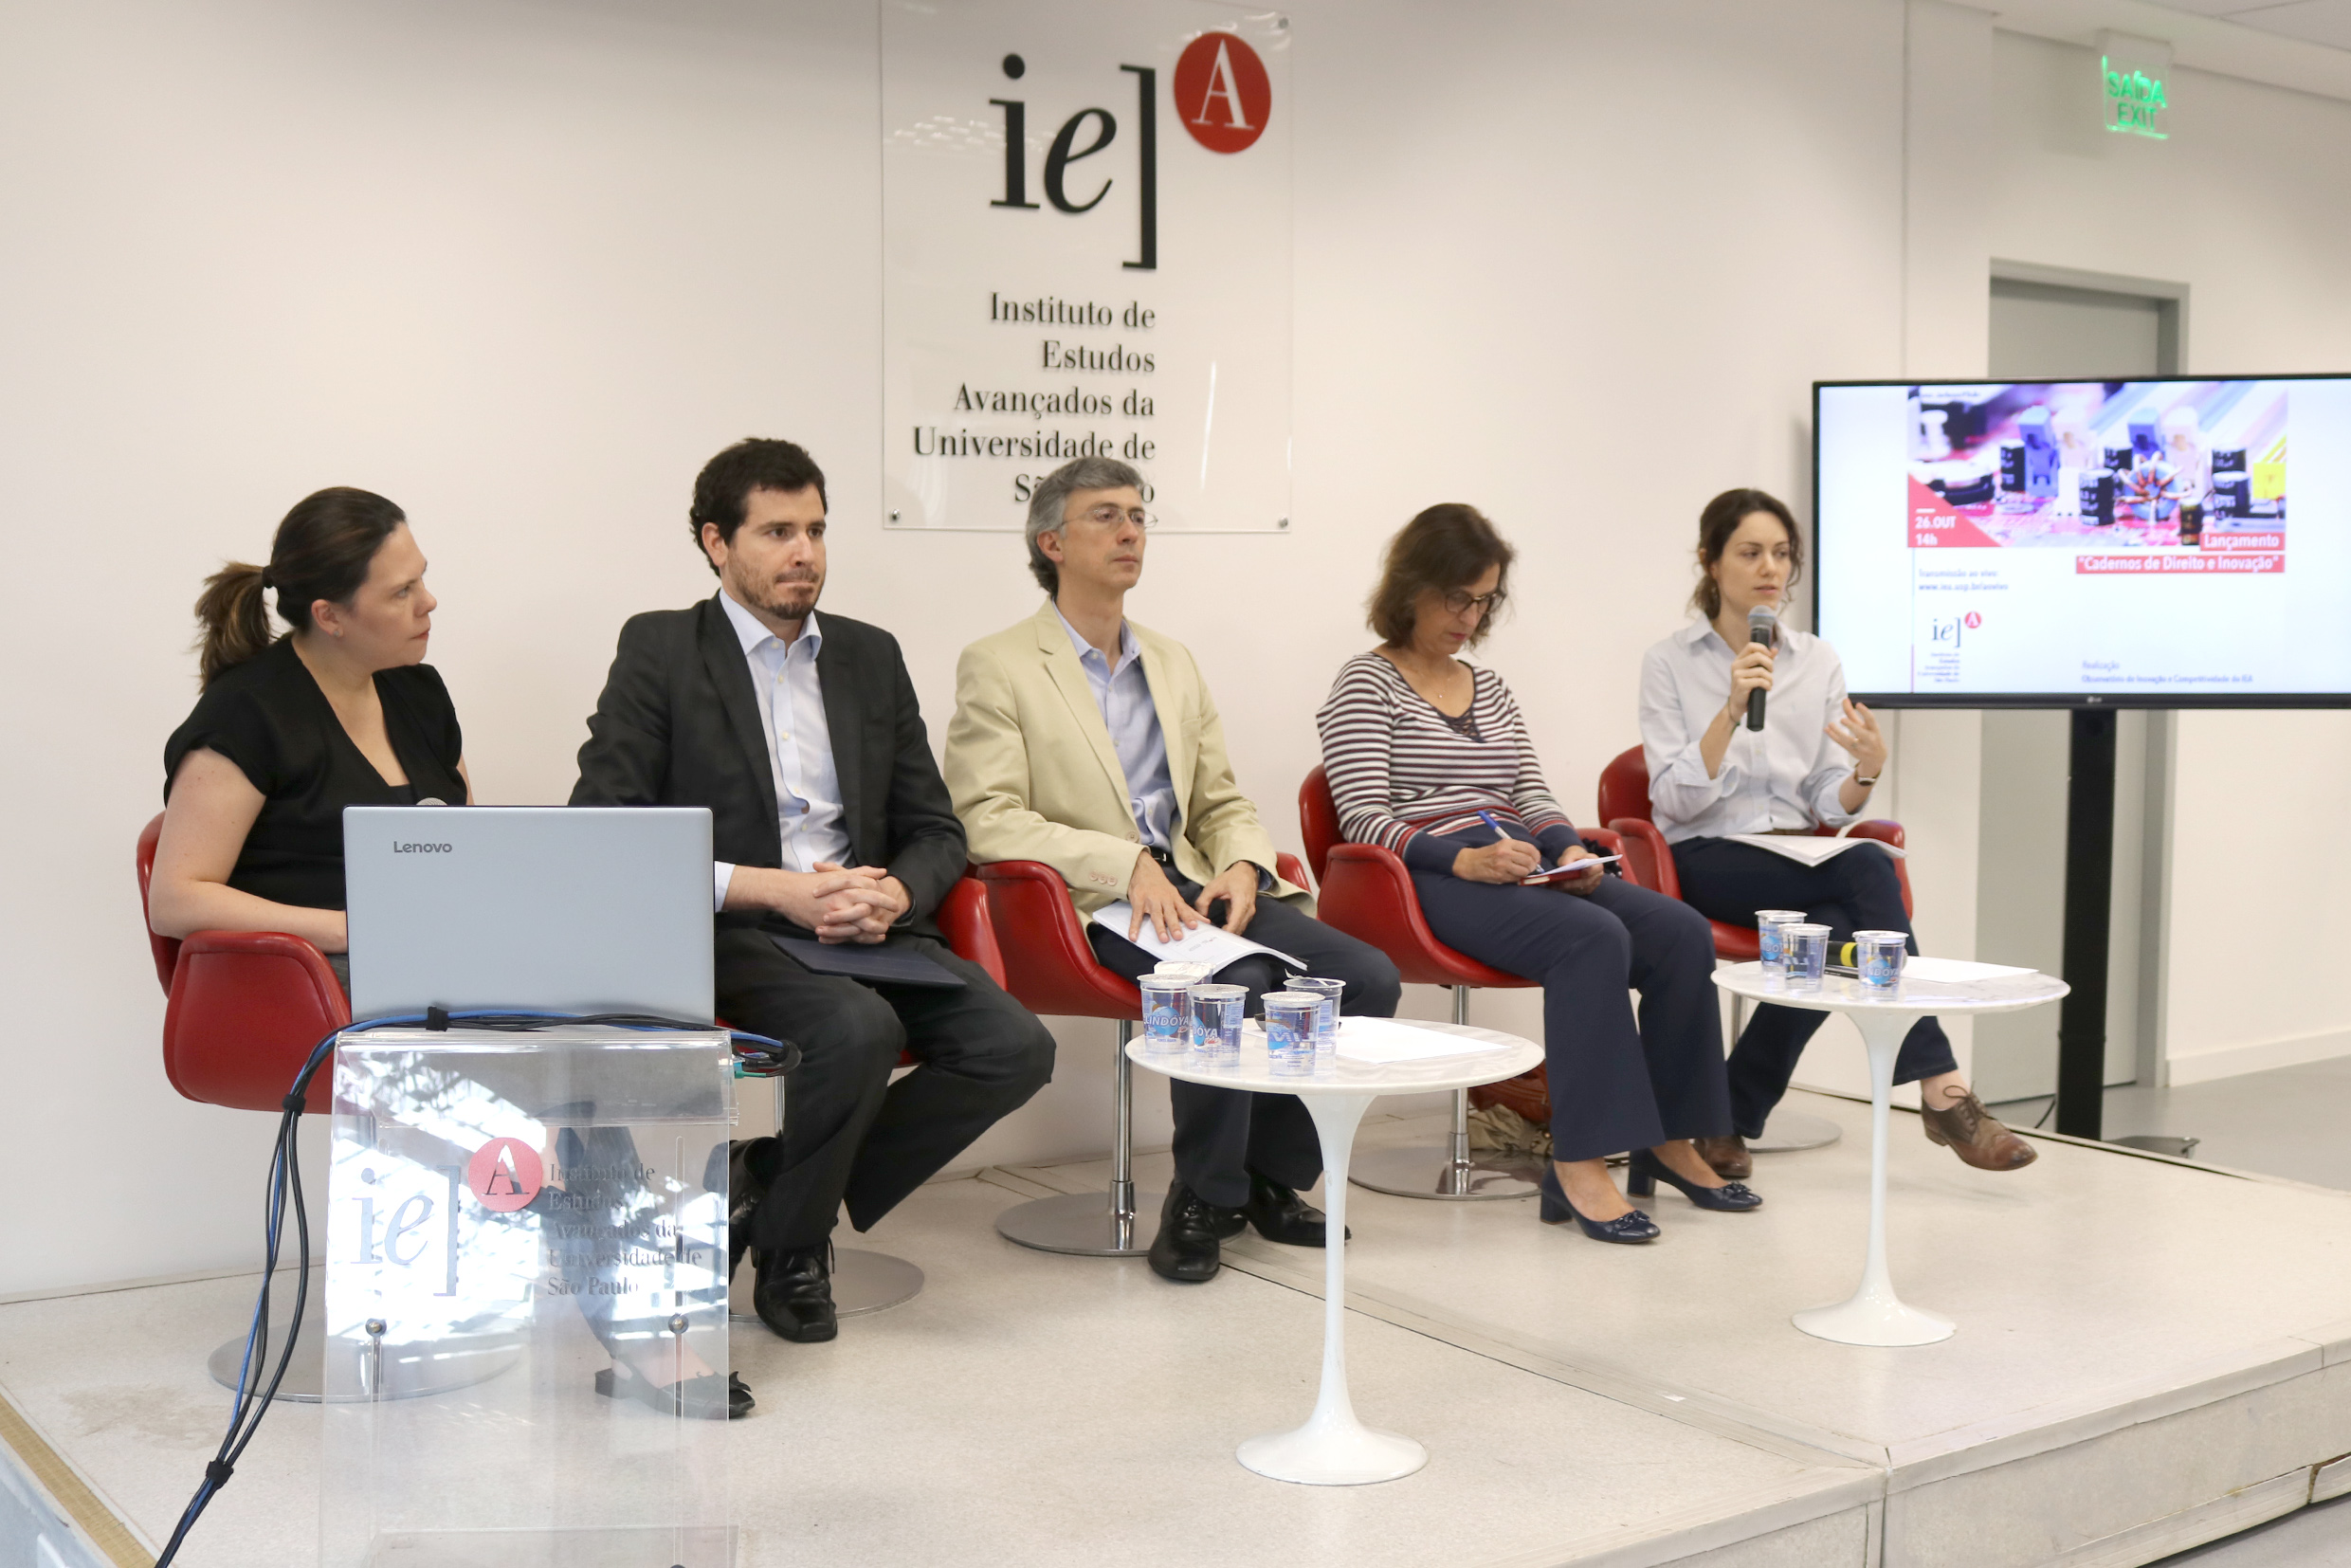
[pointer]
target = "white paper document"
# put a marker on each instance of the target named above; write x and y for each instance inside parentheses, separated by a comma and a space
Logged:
(1955, 968)
(1204, 943)
(1807, 850)
(1384, 1040)
(1572, 869)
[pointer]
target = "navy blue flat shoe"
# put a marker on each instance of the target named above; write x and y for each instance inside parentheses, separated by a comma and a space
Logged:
(1630, 1229)
(1644, 1171)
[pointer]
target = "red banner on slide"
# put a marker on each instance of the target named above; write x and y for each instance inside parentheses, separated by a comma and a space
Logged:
(1934, 525)
(2168, 565)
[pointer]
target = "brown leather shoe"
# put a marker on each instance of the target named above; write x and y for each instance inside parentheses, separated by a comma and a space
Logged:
(1727, 1155)
(1977, 1136)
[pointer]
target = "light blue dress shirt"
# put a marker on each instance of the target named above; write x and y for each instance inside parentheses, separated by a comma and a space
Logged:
(1123, 695)
(799, 745)
(1781, 777)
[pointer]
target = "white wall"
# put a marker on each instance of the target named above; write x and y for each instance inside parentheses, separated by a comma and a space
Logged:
(524, 266)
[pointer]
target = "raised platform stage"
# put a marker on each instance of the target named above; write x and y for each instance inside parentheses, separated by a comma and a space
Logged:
(2149, 1355)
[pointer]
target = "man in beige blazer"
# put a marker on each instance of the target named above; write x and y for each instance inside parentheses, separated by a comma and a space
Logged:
(1090, 743)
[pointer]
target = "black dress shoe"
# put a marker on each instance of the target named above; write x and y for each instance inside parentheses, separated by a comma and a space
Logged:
(1280, 1214)
(706, 1397)
(750, 1171)
(794, 1295)
(1185, 1249)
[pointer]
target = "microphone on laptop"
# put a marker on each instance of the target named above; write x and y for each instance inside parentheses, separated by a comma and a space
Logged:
(1762, 626)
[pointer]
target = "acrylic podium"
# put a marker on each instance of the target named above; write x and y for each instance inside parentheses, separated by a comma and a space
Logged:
(527, 1244)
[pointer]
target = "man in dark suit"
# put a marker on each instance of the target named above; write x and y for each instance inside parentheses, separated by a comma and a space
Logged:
(831, 825)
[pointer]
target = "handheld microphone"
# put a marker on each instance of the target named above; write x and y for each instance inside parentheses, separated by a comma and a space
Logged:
(1762, 626)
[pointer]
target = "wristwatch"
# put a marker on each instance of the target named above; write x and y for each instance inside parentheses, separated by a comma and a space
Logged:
(1866, 783)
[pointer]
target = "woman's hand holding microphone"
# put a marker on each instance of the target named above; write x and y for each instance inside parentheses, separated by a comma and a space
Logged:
(1751, 673)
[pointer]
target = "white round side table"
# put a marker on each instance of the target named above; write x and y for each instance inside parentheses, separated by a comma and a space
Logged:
(1334, 1449)
(1875, 1316)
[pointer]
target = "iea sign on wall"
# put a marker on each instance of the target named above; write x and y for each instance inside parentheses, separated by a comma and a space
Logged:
(1085, 214)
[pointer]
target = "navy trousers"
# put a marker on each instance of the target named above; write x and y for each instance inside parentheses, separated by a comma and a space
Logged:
(1615, 1084)
(1854, 891)
(1222, 1135)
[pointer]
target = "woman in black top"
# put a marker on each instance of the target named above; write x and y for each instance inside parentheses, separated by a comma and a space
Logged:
(342, 711)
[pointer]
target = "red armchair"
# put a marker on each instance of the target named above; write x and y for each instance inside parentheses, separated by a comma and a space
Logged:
(1367, 892)
(245, 1007)
(1050, 968)
(246, 1010)
(963, 920)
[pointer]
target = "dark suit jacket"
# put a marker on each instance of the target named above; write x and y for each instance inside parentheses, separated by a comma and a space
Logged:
(679, 725)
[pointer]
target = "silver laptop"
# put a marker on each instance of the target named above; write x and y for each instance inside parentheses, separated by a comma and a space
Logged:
(544, 908)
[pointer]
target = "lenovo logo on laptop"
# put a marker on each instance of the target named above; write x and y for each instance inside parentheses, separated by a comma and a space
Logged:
(420, 848)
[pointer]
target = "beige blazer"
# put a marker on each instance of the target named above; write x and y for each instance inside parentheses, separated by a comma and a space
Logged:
(1034, 776)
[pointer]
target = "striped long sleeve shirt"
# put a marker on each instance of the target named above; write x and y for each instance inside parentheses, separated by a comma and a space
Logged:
(1414, 780)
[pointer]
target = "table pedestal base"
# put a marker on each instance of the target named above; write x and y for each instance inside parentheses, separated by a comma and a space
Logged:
(1871, 1320)
(1320, 1454)
(1875, 1316)
(1334, 1449)
(1786, 1131)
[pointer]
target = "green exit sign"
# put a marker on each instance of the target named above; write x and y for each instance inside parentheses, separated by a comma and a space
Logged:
(2135, 100)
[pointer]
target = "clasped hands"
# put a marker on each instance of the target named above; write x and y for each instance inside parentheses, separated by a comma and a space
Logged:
(1155, 899)
(1513, 860)
(843, 903)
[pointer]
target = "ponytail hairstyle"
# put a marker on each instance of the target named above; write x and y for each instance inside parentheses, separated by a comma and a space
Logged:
(322, 550)
(1719, 521)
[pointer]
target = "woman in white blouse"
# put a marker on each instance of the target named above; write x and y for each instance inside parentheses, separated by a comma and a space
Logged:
(1812, 764)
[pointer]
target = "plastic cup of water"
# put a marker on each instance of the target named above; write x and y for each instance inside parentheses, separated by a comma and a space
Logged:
(1167, 1014)
(1769, 924)
(1326, 1021)
(1290, 1018)
(1878, 956)
(1216, 1022)
(1804, 949)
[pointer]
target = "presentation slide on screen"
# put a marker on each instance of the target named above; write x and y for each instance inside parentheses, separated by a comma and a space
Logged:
(2175, 537)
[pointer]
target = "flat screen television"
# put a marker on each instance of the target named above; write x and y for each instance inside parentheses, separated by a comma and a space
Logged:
(2086, 543)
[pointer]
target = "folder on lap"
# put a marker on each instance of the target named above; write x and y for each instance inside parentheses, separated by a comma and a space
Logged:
(878, 964)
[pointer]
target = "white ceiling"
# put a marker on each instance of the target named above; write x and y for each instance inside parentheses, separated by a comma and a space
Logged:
(2325, 22)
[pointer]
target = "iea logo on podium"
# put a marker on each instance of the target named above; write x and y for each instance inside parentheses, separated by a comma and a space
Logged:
(505, 1174)
(1065, 278)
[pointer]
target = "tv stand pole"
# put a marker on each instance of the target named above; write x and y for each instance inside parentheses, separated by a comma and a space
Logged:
(2089, 898)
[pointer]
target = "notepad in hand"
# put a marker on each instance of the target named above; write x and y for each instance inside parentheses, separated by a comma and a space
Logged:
(1573, 869)
(875, 963)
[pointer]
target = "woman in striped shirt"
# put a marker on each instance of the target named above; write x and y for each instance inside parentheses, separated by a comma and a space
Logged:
(1429, 758)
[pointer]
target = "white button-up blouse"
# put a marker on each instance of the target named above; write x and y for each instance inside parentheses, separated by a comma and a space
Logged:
(1784, 775)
